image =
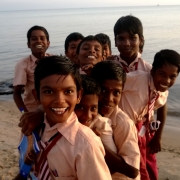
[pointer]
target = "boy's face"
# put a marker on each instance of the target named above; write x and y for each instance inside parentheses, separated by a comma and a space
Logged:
(110, 96)
(87, 109)
(106, 51)
(164, 77)
(58, 96)
(90, 52)
(71, 51)
(38, 42)
(128, 45)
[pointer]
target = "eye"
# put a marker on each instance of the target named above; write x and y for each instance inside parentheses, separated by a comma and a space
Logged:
(103, 90)
(47, 91)
(94, 108)
(117, 93)
(69, 91)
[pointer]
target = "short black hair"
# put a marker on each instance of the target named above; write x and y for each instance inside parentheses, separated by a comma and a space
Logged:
(37, 28)
(55, 65)
(132, 25)
(108, 70)
(166, 56)
(104, 38)
(90, 86)
(89, 38)
(75, 36)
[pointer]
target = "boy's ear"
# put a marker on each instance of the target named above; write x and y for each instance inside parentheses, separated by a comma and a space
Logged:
(79, 95)
(48, 43)
(34, 92)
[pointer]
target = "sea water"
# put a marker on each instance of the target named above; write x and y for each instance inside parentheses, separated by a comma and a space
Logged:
(161, 31)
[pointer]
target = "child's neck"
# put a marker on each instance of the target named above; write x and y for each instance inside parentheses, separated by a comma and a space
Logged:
(39, 55)
(129, 59)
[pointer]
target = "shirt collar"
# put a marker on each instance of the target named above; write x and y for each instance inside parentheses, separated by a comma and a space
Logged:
(132, 64)
(68, 129)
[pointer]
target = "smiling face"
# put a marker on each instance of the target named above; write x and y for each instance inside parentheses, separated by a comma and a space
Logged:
(110, 96)
(164, 77)
(87, 109)
(71, 51)
(90, 52)
(106, 50)
(38, 43)
(128, 46)
(58, 96)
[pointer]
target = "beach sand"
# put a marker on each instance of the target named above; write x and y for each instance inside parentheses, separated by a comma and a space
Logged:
(168, 159)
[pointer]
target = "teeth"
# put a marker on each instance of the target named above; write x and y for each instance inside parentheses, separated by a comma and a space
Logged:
(59, 110)
(91, 57)
(39, 46)
(163, 86)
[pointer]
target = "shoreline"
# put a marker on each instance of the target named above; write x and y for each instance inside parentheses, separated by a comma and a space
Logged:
(168, 159)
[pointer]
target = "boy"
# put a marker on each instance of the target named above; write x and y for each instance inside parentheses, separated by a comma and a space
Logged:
(79, 152)
(137, 101)
(124, 130)
(106, 42)
(70, 46)
(87, 112)
(38, 42)
(90, 52)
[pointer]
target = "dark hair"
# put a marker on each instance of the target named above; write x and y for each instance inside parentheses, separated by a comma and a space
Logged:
(108, 70)
(37, 28)
(90, 86)
(55, 65)
(132, 25)
(89, 38)
(104, 38)
(75, 36)
(166, 56)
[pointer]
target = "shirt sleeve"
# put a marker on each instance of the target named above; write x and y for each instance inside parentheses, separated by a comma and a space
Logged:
(20, 74)
(90, 164)
(126, 140)
(104, 125)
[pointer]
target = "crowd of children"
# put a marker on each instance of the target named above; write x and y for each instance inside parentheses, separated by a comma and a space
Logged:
(115, 97)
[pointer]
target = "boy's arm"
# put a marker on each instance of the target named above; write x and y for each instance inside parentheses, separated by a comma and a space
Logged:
(155, 143)
(117, 164)
(31, 120)
(18, 98)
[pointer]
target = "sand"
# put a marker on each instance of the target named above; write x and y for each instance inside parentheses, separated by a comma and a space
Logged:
(168, 159)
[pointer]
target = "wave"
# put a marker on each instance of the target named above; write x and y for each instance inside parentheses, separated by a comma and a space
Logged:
(6, 87)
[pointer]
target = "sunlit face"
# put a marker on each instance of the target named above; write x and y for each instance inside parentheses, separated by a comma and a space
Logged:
(128, 45)
(71, 51)
(87, 109)
(110, 96)
(90, 52)
(164, 77)
(38, 42)
(106, 51)
(58, 96)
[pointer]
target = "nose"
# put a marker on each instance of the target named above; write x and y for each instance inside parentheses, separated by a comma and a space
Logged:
(126, 42)
(87, 116)
(92, 50)
(109, 97)
(59, 98)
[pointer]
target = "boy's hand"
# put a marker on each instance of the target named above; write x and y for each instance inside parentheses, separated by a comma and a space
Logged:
(154, 145)
(87, 68)
(97, 132)
(30, 121)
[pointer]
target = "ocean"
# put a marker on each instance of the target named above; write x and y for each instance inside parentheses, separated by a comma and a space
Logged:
(161, 31)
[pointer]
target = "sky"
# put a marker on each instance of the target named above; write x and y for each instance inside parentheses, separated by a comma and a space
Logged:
(6, 5)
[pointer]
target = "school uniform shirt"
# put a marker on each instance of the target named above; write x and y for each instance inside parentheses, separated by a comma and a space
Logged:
(125, 138)
(137, 64)
(78, 154)
(104, 125)
(24, 75)
(135, 96)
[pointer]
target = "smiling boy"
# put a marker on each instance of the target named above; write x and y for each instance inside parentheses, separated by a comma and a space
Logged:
(79, 153)
(38, 42)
